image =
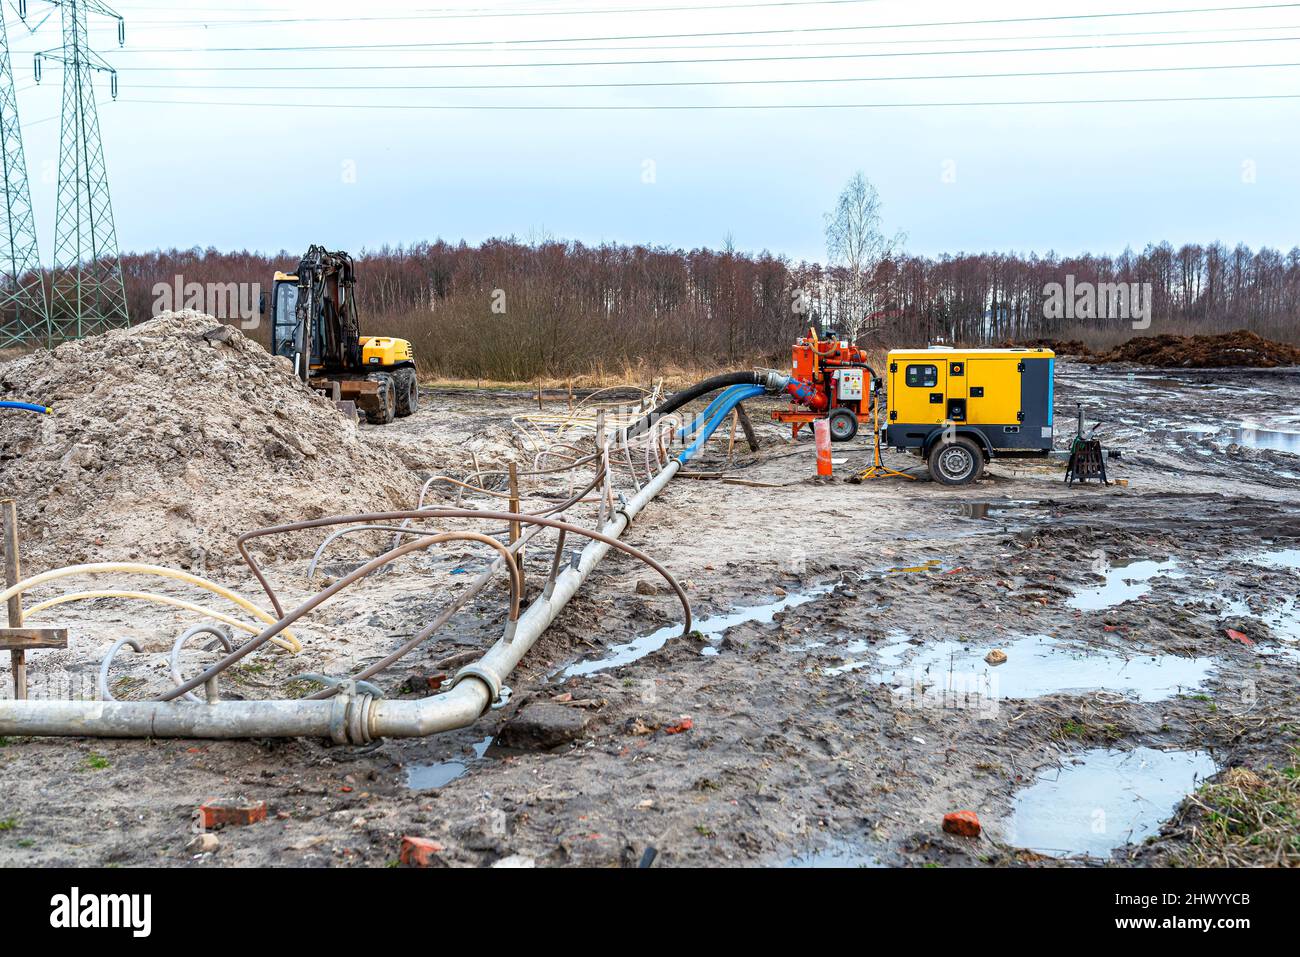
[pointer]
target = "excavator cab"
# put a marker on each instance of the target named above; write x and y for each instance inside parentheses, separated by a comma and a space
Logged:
(314, 325)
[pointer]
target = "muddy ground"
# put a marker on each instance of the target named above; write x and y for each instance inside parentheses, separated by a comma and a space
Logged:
(839, 712)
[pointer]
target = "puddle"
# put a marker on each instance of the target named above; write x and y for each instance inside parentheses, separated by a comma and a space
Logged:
(1282, 558)
(428, 777)
(1036, 665)
(933, 565)
(991, 511)
(1104, 799)
(837, 854)
(712, 628)
(1124, 582)
(1272, 439)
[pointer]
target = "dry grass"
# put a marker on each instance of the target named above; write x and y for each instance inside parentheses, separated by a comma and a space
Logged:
(1244, 819)
(639, 375)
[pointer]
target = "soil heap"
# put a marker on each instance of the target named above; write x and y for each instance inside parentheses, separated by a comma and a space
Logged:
(170, 439)
(1240, 348)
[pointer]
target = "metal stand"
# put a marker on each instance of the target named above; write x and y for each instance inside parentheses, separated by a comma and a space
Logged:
(1087, 458)
(878, 468)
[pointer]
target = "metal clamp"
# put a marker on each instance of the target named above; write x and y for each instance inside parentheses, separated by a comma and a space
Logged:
(484, 675)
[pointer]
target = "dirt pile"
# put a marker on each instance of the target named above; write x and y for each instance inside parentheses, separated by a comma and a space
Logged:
(170, 439)
(1240, 348)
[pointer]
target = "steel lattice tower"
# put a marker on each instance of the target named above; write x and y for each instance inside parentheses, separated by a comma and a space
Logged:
(24, 315)
(87, 294)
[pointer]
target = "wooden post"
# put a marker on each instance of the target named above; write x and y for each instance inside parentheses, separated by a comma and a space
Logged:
(539, 395)
(731, 440)
(13, 574)
(570, 395)
(514, 502)
(748, 427)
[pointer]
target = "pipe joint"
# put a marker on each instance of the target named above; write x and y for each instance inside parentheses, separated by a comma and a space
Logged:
(485, 675)
(351, 716)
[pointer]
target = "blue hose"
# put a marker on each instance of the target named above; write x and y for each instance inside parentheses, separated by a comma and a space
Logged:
(709, 410)
(722, 407)
(24, 407)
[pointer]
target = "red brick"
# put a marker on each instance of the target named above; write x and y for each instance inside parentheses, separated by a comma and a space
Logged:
(963, 823)
(215, 813)
(420, 852)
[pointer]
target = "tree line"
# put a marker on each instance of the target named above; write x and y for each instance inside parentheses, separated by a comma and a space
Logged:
(511, 310)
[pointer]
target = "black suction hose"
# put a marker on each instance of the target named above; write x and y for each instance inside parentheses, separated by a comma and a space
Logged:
(691, 393)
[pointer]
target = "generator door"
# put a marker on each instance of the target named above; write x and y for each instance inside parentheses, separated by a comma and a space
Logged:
(993, 390)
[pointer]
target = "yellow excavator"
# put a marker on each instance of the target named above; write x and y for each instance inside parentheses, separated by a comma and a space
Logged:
(314, 325)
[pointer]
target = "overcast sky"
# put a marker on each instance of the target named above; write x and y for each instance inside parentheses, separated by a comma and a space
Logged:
(276, 170)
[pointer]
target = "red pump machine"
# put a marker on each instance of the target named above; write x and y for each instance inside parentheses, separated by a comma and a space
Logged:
(830, 379)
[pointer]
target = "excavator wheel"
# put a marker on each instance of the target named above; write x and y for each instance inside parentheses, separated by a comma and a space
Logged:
(387, 410)
(407, 388)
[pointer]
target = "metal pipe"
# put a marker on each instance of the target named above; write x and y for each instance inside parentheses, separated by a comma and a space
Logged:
(350, 716)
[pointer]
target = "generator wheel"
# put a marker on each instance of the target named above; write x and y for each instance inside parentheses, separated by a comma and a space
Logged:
(408, 392)
(956, 461)
(843, 423)
(387, 397)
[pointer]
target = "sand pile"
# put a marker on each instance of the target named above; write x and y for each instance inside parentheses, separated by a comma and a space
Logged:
(1240, 348)
(170, 439)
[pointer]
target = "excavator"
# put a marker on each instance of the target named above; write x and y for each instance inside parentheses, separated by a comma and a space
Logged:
(314, 325)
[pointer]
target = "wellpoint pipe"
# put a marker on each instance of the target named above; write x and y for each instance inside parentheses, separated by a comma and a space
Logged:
(349, 717)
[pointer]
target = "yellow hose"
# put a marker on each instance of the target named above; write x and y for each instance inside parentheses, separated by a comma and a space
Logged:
(143, 596)
(285, 640)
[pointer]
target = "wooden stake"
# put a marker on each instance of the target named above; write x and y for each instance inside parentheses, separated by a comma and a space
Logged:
(514, 502)
(731, 441)
(13, 574)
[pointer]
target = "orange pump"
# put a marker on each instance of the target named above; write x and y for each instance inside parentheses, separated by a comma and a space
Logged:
(830, 379)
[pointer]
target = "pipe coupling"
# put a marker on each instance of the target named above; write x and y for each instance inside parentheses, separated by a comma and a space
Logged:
(485, 675)
(350, 717)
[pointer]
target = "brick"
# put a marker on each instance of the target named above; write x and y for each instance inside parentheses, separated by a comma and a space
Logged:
(962, 823)
(420, 852)
(218, 813)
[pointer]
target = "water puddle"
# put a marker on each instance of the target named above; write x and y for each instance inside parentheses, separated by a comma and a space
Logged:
(933, 565)
(836, 854)
(1104, 799)
(1272, 439)
(1036, 665)
(1282, 558)
(991, 511)
(429, 777)
(712, 628)
(1124, 582)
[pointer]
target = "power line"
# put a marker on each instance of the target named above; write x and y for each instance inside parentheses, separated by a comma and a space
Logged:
(717, 106)
(486, 46)
(494, 14)
(663, 62)
(700, 35)
(765, 82)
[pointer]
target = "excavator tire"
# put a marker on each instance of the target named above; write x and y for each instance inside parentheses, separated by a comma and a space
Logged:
(387, 410)
(407, 388)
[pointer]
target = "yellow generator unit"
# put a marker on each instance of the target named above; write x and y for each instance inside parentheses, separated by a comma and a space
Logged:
(960, 408)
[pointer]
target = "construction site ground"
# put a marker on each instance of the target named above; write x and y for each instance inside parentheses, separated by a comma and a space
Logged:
(821, 712)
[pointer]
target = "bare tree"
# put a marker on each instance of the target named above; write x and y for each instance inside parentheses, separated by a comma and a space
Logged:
(857, 245)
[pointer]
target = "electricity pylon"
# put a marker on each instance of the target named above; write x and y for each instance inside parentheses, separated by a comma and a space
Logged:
(87, 294)
(24, 314)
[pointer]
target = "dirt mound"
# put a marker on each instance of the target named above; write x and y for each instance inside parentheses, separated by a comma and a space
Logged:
(1240, 348)
(170, 439)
